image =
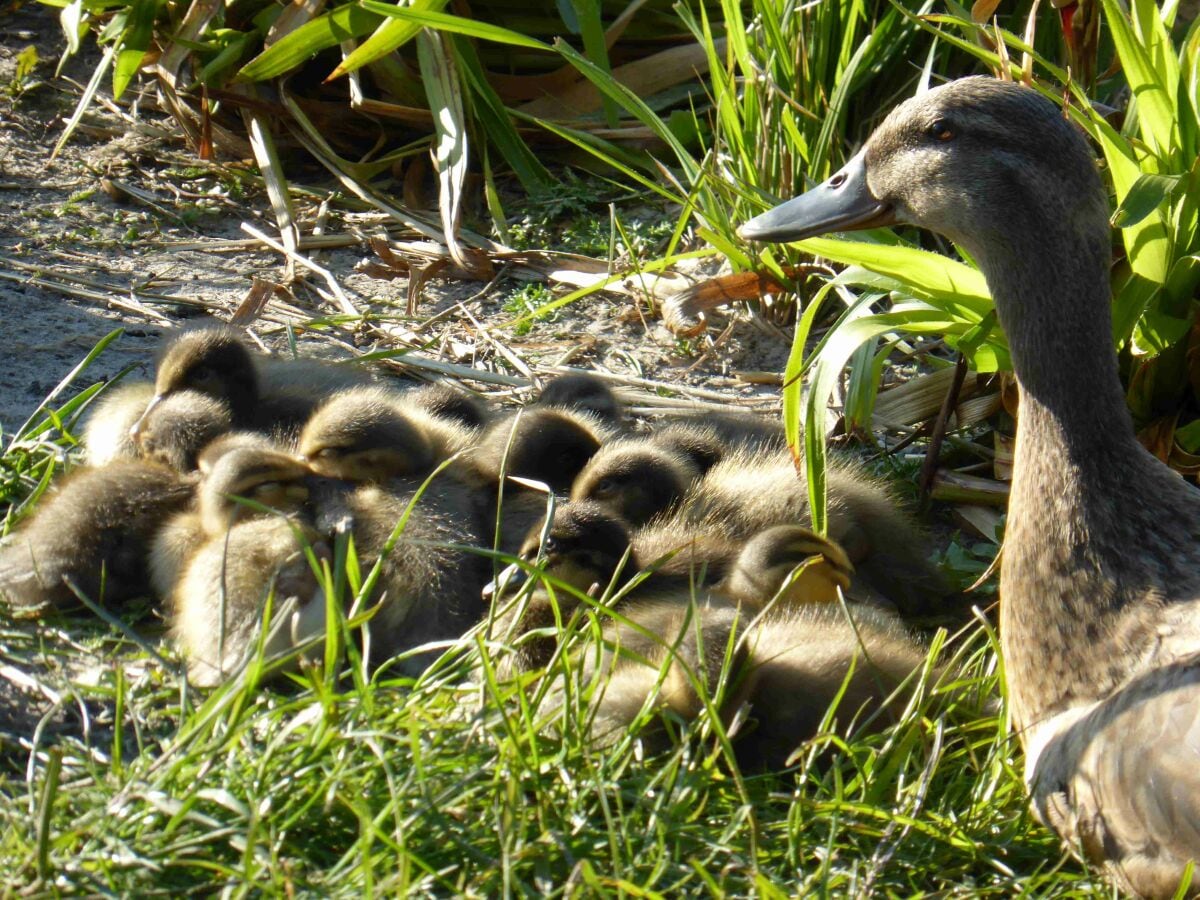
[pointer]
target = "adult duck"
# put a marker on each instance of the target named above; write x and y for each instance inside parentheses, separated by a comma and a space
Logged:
(1100, 582)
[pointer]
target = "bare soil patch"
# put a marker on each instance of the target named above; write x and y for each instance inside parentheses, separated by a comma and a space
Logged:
(127, 228)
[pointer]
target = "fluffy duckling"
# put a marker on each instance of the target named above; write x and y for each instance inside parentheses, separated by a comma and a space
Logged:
(700, 445)
(586, 548)
(429, 586)
(636, 479)
(750, 491)
(787, 668)
(262, 394)
(586, 393)
(364, 434)
(94, 529)
(380, 453)
(264, 475)
(448, 402)
(543, 444)
(709, 438)
(764, 567)
(106, 434)
(217, 604)
(180, 427)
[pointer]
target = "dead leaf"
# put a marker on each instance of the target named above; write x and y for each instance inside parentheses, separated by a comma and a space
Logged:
(982, 11)
(685, 313)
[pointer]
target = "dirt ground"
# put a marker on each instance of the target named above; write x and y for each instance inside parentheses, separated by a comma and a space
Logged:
(125, 206)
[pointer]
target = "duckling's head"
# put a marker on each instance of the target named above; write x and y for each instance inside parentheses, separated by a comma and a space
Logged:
(450, 403)
(543, 444)
(764, 568)
(270, 478)
(701, 445)
(635, 479)
(978, 160)
(212, 359)
(231, 440)
(361, 435)
(180, 426)
(585, 393)
(583, 547)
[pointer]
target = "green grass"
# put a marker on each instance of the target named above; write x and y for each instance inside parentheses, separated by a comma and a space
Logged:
(332, 784)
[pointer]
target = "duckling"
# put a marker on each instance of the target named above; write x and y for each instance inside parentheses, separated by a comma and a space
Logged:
(265, 475)
(764, 567)
(750, 491)
(586, 393)
(429, 587)
(636, 479)
(786, 667)
(586, 547)
(447, 402)
(217, 604)
(364, 434)
(740, 430)
(106, 434)
(550, 445)
(94, 529)
(262, 394)
(233, 440)
(700, 445)
(180, 427)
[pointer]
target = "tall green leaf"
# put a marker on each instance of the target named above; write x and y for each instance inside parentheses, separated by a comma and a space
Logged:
(139, 30)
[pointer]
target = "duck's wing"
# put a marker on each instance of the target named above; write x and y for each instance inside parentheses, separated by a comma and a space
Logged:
(1120, 783)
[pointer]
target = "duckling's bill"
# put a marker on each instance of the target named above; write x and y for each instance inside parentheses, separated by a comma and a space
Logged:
(843, 203)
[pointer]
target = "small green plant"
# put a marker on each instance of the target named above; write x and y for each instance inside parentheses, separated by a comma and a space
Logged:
(23, 79)
(526, 306)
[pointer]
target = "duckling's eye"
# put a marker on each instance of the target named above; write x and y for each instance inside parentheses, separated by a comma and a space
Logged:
(266, 487)
(203, 377)
(329, 453)
(941, 130)
(605, 486)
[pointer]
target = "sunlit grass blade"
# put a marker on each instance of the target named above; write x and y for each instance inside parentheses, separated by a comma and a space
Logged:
(341, 24)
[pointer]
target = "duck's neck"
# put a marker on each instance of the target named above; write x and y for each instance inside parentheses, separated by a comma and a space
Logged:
(1075, 459)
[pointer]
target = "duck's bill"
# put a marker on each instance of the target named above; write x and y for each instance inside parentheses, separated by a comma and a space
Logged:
(843, 203)
(135, 429)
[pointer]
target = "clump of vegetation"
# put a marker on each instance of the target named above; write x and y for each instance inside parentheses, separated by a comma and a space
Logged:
(526, 305)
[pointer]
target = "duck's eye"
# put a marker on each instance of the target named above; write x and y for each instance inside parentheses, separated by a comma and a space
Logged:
(605, 486)
(329, 453)
(941, 130)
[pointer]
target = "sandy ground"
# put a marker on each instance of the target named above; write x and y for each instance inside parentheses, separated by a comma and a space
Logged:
(57, 219)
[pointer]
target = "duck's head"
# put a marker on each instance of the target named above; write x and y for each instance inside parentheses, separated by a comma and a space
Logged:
(268, 477)
(543, 444)
(213, 360)
(583, 547)
(361, 435)
(977, 160)
(636, 480)
(768, 563)
(699, 444)
(181, 425)
(447, 402)
(584, 392)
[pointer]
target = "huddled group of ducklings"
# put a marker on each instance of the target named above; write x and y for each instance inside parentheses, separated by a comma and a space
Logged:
(228, 479)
